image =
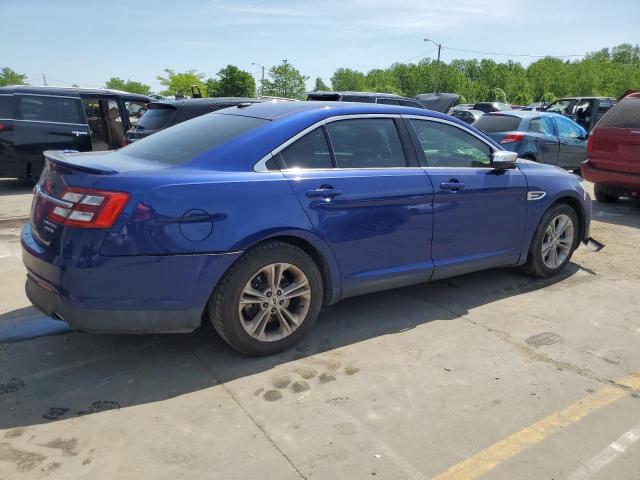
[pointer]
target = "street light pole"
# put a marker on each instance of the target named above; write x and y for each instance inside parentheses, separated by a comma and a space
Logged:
(262, 79)
(439, 45)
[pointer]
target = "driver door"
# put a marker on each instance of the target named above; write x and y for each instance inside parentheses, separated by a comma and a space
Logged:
(479, 212)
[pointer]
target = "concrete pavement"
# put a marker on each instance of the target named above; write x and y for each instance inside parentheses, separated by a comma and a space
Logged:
(493, 375)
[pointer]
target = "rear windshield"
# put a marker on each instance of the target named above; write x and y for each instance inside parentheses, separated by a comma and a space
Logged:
(187, 140)
(497, 123)
(624, 114)
(155, 117)
(49, 109)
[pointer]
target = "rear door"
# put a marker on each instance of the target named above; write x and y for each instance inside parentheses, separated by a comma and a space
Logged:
(362, 189)
(545, 140)
(48, 122)
(573, 143)
(479, 212)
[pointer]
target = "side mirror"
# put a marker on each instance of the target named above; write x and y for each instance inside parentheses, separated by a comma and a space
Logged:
(503, 160)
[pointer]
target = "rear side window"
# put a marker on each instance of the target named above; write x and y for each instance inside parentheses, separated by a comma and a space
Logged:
(49, 109)
(187, 140)
(311, 151)
(624, 114)
(409, 103)
(388, 101)
(155, 117)
(6, 106)
(497, 123)
(366, 143)
(541, 125)
(448, 146)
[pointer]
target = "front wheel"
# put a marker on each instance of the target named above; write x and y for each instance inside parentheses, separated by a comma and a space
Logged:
(268, 299)
(554, 242)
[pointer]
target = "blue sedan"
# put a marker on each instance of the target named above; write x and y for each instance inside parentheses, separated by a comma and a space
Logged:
(539, 136)
(257, 216)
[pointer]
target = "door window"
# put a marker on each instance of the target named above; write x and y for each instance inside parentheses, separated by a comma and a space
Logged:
(388, 101)
(6, 107)
(567, 129)
(135, 109)
(49, 109)
(561, 106)
(541, 125)
(310, 151)
(447, 146)
(366, 143)
(409, 103)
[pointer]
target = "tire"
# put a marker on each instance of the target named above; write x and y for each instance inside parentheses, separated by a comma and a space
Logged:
(541, 265)
(234, 322)
(600, 192)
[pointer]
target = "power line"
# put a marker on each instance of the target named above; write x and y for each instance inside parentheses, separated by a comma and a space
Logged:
(422, 55)
(480, 52)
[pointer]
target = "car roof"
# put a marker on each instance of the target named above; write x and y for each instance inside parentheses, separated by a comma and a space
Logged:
(276, 110)
(523, 114)
(584, 98)
(72, 91)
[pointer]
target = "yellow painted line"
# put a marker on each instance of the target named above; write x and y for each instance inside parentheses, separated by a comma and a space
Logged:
(491, 457)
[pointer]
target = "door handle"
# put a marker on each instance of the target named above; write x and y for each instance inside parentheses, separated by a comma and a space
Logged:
(452, 185)
(324, 191)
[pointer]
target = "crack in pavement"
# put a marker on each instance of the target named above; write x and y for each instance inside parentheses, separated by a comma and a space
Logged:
(269, 438)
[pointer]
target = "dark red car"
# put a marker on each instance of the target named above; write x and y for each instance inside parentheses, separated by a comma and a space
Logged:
(613, 151)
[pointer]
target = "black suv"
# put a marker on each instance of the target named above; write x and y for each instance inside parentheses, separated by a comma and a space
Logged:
(165, 113)
(364, 97)
(35, 119)
(585, 111)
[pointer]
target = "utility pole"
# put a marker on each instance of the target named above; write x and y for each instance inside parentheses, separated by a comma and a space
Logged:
(262, 80)
(439, 45)
(44, 79)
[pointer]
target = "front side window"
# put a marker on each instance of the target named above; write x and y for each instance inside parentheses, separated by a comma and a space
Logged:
(135, 109)
(561, 106)
(567, 129)
(366, 143)
(541, 125)
(310, 151)
(49, 109)
(447, 146)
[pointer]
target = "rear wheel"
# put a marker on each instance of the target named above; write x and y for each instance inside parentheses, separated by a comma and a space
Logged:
(268, 300)
(601, 194)
(554, 242)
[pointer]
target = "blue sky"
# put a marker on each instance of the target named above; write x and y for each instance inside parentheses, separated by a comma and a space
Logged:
(86, 42)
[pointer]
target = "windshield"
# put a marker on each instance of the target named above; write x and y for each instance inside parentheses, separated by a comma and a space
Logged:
(625, 114)
(497, 123)
(156, 117)
(187, 140)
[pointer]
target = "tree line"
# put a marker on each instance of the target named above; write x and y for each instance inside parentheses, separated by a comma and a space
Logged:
(607, 72)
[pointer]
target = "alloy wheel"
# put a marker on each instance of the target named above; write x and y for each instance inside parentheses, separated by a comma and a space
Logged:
(274, 302)
(557, 241)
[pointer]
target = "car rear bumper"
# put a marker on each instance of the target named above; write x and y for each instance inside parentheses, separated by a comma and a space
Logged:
(624, 181)
(127, 294)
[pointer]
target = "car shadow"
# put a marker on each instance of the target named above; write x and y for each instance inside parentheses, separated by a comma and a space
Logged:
(60, 377)
(624, 212)
(11, 186)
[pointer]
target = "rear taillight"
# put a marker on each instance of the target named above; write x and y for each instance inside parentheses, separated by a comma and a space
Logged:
(88, 208)
(590, 143)
(512, 137)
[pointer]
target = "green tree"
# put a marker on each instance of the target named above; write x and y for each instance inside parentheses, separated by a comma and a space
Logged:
(131, 86)
(285, 81)
(181, 83)
(348, 80)
(548, 97)
(9, 76)
(231, 82)
(320, 86)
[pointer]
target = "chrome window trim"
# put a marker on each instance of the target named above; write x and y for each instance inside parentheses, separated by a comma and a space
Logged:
(261, 166)
(56, 201)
